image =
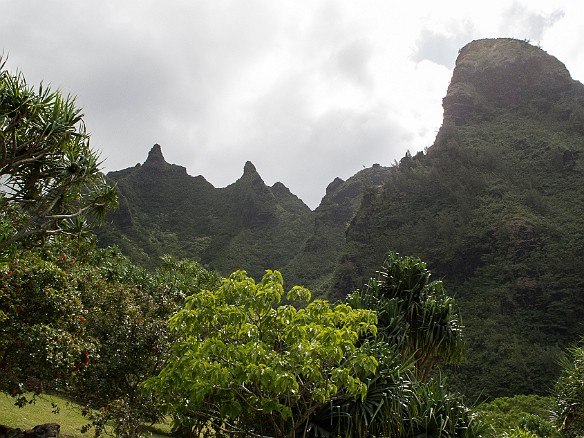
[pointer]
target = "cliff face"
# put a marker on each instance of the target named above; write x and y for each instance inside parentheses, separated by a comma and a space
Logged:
(494, 208)
(505, 74)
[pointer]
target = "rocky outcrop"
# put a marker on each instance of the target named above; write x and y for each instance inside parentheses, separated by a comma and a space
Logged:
(48, 430)
(502, 74)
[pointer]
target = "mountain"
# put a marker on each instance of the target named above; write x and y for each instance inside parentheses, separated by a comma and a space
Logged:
(246, 225)
(494, 207)
(315, 264)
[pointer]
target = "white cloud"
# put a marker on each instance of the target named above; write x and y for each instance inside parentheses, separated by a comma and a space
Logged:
(307, 90)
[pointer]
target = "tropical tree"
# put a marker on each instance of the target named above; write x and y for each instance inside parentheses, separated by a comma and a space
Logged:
(568, 409)
(242, 366)
(414, 313)
(50, 181)
(418, 326)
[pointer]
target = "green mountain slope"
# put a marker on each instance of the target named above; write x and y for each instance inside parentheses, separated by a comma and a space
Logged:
(315, 263)
(495, 209)
(246, 225)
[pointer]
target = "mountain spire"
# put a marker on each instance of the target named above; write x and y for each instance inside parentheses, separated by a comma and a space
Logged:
(155, 155)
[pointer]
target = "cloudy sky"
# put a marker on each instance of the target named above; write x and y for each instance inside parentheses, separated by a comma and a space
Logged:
(307, 90)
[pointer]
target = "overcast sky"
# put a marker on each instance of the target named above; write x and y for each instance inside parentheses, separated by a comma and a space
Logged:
(306, 90)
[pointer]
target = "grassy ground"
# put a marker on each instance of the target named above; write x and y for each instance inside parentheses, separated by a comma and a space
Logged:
(69, 415)
(41, 412)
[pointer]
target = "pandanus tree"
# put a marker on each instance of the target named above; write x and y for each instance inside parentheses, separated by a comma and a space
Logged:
(414, 313)
(568, 409)
(419, 326)
(50, 182)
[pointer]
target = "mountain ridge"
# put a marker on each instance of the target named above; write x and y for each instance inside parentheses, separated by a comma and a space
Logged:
(493, 206)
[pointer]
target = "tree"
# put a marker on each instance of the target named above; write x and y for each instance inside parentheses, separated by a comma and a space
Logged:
(127, 310)
(568, 409)
(43, 338)
(414, 314)
(418, 326)
(50, 181)
(242, 366)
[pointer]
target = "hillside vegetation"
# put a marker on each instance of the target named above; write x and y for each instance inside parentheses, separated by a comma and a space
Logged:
(165, 211)
(494, 207)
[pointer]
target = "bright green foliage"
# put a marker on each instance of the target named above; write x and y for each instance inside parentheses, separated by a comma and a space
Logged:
(242, 365)
(50, 176)
(414, 314)
(383, 410)
(521, 414)
(569, 393)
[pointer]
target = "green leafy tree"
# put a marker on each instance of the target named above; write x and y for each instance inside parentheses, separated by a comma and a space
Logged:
(242, 366)
(128, 309)
(50, 181)
(44, 342)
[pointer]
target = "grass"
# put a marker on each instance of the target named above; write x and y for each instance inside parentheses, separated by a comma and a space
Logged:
(68, 416)
(41, 412)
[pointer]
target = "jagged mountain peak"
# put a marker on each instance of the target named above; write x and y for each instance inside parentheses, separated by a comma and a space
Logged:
(155, 155)
(334, 185)
(249, 168)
